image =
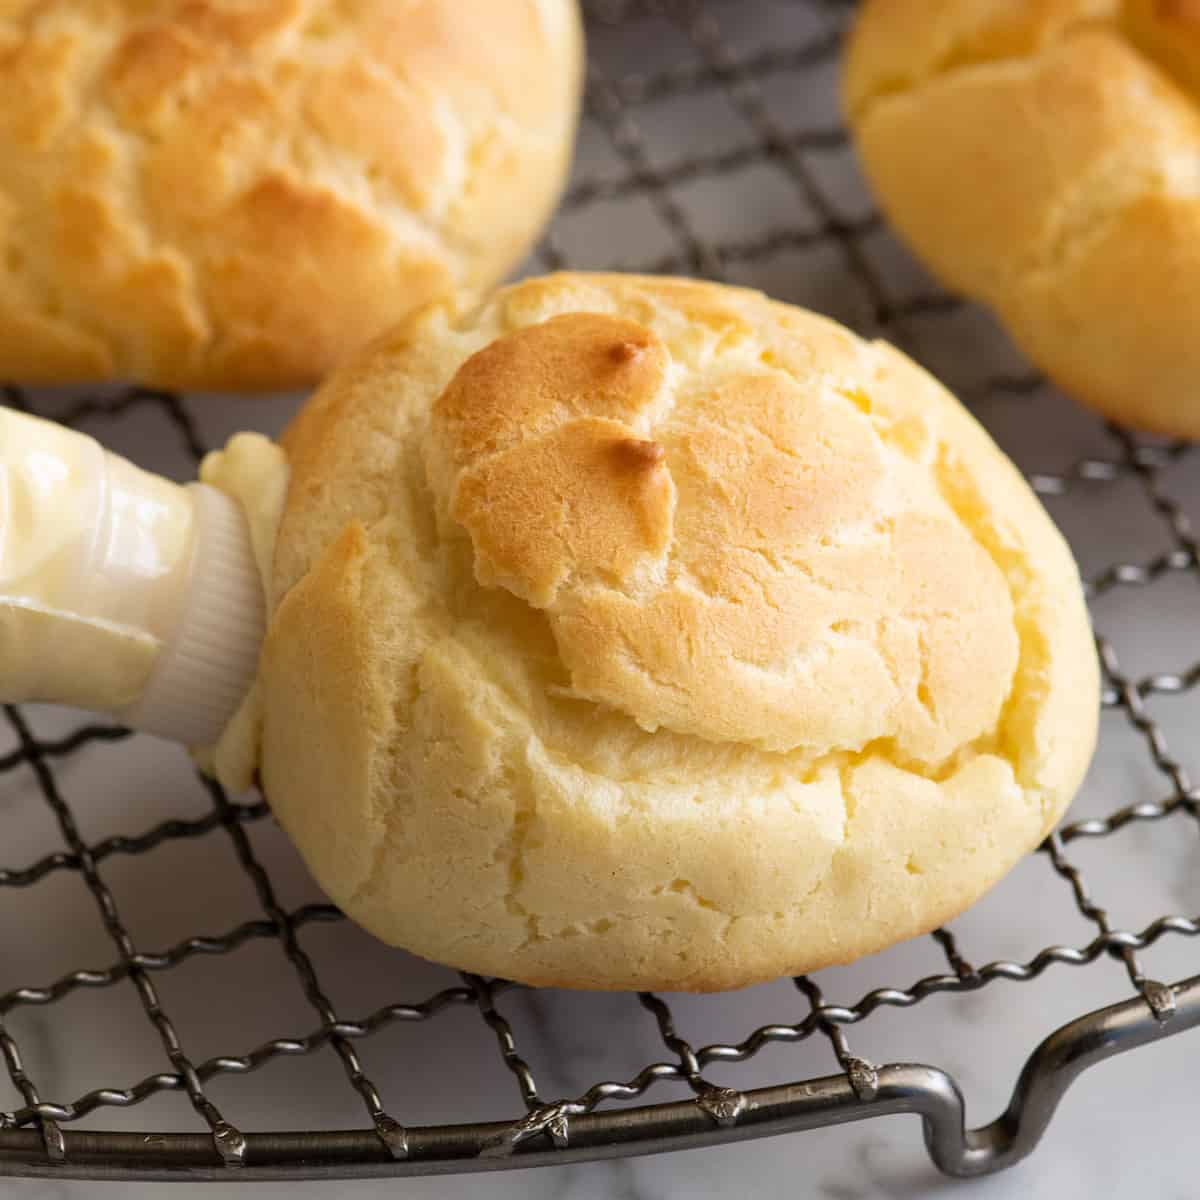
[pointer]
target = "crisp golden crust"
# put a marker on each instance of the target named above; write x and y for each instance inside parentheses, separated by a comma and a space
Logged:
(201, 193)
(700, 545)
(1039, 155)
(646, 633)
(536, 444)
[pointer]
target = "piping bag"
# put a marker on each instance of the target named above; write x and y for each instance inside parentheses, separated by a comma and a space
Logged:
(125, 593)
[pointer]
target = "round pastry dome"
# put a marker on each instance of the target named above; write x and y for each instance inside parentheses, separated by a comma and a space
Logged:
(646, 633)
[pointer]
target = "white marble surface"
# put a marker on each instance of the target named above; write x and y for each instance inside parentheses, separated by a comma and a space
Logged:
(1124, 1130)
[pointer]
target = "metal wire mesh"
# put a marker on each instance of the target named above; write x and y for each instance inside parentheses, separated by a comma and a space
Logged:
(754, 85)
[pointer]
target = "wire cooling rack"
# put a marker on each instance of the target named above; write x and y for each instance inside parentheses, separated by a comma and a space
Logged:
(711, 146)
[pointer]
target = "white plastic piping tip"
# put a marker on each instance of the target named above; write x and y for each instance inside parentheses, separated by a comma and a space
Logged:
(120, 591)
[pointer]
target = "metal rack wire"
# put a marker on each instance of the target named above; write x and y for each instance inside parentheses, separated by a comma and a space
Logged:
(635, 185)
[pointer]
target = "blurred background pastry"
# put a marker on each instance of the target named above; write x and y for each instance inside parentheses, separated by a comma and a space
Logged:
(212, 195)
(1042, 158)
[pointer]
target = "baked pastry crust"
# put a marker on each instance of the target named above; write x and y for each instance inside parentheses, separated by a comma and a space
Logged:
(644, 633)
(206, 194)
(1039, 156)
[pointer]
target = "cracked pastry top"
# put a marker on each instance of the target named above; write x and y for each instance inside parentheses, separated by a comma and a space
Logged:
(646, 633)
(1043, 156)
(214, 194)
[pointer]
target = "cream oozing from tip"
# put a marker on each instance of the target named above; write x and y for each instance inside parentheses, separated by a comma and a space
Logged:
(253, 471)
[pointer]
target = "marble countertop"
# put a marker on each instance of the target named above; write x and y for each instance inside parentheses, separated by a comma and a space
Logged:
(1125, 1129)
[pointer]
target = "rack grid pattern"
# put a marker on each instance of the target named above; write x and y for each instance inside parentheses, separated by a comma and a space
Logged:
(637, 186)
